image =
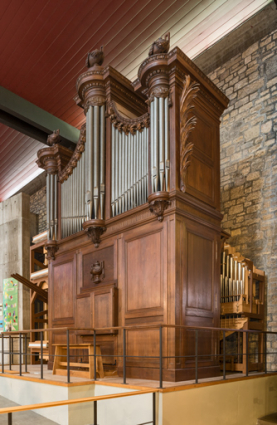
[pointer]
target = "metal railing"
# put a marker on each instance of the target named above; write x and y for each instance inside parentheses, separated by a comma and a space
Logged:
(197, 357)
(95, 400)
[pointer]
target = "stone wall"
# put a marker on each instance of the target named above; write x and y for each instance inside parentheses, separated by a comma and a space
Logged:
(249, 161)
(38, 206)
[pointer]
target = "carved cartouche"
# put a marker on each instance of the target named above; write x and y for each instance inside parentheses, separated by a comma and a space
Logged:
(96, 57)
(96, 272)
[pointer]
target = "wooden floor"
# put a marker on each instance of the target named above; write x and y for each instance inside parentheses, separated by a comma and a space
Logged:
(48, 377)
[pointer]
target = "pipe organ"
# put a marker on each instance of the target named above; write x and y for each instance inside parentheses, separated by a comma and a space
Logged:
(137, 204)
(129, 170)
(242, 306)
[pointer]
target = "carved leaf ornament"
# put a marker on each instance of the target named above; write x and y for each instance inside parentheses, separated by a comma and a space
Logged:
(187, 125)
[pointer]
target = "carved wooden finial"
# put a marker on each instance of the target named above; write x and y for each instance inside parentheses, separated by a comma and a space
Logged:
(96, 57)
(187, 125)
(160, 46)
(54, 138)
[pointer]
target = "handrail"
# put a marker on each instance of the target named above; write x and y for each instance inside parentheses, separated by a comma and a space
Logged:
(15, 409)
(130, 327)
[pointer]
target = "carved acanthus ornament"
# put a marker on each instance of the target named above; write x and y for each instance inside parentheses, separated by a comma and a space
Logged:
(158, 203)
(187, 125)
(127, 125)
(80, 147)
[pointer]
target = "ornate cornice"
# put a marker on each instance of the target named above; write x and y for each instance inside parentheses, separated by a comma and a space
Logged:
(80, 147)
(126, 93)
(53, 158)
(187, 125)
(127, 125)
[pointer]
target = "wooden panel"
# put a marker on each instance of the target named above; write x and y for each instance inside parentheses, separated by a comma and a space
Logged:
(144, 280)
(104, 307)
(203, 173)
(83, 306)
(200, 261)
(143, 343)
(63, 290)
(107, 256)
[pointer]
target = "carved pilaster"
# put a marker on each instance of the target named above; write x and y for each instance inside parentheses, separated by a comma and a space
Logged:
(94, 229)
(158, 203)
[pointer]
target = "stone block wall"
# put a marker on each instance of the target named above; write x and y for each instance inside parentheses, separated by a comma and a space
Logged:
(38, 206)
(249, 162)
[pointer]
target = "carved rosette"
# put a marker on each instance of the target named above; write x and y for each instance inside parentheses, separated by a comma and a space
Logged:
(51, 247)
(127, 125)
(187, 124)
(94, 229)
(158, 203)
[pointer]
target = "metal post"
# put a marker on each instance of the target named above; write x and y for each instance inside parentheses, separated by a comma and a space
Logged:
(224, 355)
(265, 365)
(2, 353)
(196, 356)
(68, 357)
(20, 354)
(94, 350)
(26, 353)
(124, 356)
(41, 355)
(247, 353)
(161, 356)
(10, 420)
(95, 412)
(154, 408)
(10, 352)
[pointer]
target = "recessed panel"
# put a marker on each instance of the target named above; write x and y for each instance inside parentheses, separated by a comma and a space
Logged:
(200, 272)
(144, 272)
(63, 291)
(202, 135)
(200, 179)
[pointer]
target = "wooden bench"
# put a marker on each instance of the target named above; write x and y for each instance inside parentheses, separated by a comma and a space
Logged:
(60, 361)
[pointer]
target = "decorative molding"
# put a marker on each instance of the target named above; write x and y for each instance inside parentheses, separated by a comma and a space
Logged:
(80, 147)
(160, 46)
(97, 271)
(94, 229)
(53, 158)
(127, 93)
(177, 51)
(128, 125)
(51, 247)
(94, 101)
(158, 203)
(187, 125)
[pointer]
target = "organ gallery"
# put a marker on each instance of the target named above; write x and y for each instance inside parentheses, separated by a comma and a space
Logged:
(134, 220)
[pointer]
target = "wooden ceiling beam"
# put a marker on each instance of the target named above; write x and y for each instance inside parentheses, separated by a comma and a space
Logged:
(33, 121)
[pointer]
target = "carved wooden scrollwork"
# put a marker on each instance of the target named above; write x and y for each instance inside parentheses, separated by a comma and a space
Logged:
(80, 147)
(187, 125)
(158, 203)
(51, 247)
(128, 125)
(94, 229)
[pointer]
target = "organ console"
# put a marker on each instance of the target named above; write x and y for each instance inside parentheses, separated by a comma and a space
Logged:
(140, 198)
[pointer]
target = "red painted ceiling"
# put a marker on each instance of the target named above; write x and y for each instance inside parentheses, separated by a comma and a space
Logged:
(44, 44)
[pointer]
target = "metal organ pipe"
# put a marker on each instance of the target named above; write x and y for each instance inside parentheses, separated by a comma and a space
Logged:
(159, 123)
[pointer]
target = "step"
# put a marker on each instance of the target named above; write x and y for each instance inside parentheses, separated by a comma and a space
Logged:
(268, 419)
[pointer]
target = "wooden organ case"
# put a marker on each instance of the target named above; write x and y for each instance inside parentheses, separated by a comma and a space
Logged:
(133, 214)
